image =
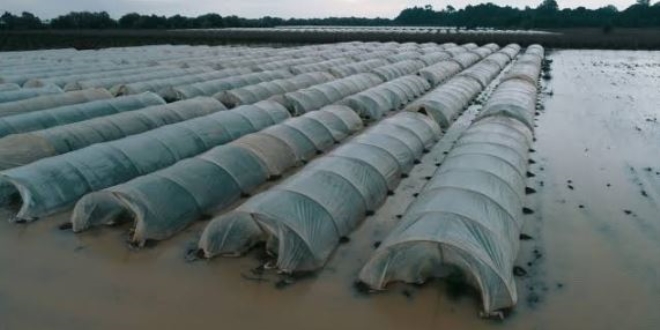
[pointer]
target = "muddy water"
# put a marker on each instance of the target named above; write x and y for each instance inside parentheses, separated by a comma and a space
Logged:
(593, 261)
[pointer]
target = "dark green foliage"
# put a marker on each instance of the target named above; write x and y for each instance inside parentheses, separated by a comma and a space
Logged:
(546, 16)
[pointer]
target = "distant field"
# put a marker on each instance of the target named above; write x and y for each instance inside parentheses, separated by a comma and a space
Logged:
(91, 39)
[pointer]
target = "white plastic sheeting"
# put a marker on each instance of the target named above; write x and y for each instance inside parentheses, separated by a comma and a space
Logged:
(467, 59)
(62, 81)
(258, 92)
(398, 69)
(56, 183)
(304, 218)
(438, 73)
(320, 66)
(513, 98)
(355, 68)
(468, 217)
(38, 120)
(209, 88)
(381, 54)
(374, 103)
(9, 87)
(286, 64)
(25, 148)
(162, 84)
(435, 57)
(316, 97)
(404, 56)
(511, 50)
(446, 102)
(111, 81)
(527, 66)
(26, 93)
(164, 202)
(21, 78)
(52, 101)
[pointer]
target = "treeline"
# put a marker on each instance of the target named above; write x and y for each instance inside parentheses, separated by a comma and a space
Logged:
(102, 20)
(547, 15)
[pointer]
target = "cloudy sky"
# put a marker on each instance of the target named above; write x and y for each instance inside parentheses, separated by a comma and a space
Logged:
(258, 8)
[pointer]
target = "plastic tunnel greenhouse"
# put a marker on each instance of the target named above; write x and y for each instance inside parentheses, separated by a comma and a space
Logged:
(56, 183)
(212, 87)
(111, 81)
(164, 202)
(468, 218)
(38, 120)
(316, 97)
(303, 218)
(26, 93)
(25, 148)
(9, 87)
(398, 69)
(262, 91)
(51, 101)
(320, 66)
(374, 103)
(446, 102)
(159, 85)
(356, 68)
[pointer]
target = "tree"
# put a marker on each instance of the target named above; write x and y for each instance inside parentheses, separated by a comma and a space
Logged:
(549, 5)
(645, 3)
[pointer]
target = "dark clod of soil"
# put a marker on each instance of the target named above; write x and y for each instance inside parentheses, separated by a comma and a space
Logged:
(194, 255)
(65, 226)
(415, 195)
(529, 191)
(644, 193)
(376, 244)
(284, 283)
(370, 213)
(531, 161)
(581, 206)
(344, 240)
(571, 187)
(525, 237)
(407, 293)
(417, 162)
(527, 210)
(399, 216)
(608, 185)
(361, 287)
(404, 175)
(253, 278)
(445, 152)
(560, 285)
(428, 177)
(519, 271)
(532, 150)
(259, 270)
(438, 164)
(530, 175)
(627, 212)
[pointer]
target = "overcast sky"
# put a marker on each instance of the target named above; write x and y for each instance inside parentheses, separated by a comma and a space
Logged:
(258, 8)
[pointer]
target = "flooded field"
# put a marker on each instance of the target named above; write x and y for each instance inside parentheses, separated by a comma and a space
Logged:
(589, 258)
